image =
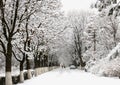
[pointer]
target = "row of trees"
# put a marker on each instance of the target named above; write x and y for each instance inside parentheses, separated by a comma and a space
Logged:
(98, 38)
(94, 35)
(37, 30)
(27, 29)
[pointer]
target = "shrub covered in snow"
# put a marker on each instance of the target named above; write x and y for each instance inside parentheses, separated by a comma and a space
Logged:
(107, 68)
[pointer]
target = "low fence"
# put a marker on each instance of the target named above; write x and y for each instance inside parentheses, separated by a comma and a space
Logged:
(15, 78)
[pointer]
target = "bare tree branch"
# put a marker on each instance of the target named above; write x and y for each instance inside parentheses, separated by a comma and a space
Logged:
(16, 57)
(4, 23)
(3, 46)
(27, 16)
(15, 15)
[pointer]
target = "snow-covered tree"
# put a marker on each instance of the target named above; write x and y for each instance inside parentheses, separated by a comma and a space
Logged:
(107, 30)
(78, 22)
(15, 18)
(8, 12)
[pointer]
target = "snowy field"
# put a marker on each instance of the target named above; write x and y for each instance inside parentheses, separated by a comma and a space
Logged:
(70, 77)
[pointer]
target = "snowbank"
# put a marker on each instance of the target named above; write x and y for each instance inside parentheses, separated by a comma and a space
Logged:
(107, 68)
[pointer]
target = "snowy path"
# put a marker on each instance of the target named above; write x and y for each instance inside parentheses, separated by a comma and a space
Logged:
(70, 77)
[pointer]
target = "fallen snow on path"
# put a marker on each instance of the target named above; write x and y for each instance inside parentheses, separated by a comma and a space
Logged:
(70, 77)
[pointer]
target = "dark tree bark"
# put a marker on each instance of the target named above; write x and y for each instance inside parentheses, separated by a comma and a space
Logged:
(9, 56)
(8, 33)
(21, 61)
(94, 40)
(78, 46)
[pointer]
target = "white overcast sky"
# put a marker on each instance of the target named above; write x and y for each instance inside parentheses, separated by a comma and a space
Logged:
(76, 4)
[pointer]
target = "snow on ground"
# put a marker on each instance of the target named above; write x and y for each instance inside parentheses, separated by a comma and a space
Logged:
(70, 77)
(14, 73)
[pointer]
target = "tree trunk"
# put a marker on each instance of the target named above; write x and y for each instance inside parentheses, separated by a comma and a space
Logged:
(21, 69)
(94, 37)
(29, 75)
(21, 76)
(36, 63)
(8, 77)
(21, 73)
(114, 37)
(80, 55)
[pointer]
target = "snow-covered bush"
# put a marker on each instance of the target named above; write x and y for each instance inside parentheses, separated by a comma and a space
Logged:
(107, 68)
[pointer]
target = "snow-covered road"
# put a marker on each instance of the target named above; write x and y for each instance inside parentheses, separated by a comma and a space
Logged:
(70, 77)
